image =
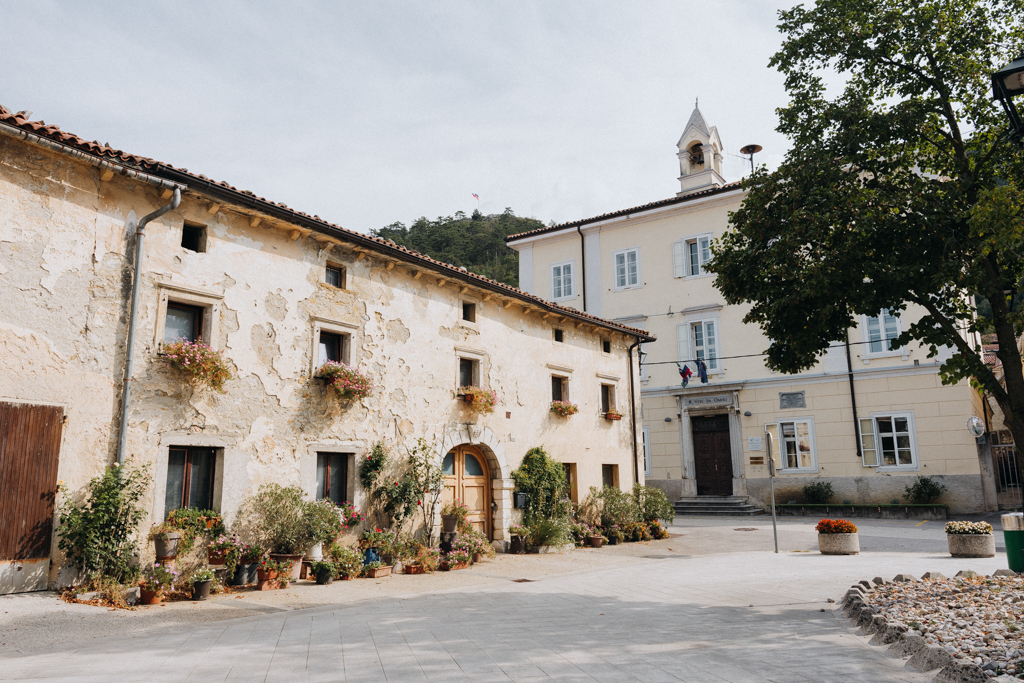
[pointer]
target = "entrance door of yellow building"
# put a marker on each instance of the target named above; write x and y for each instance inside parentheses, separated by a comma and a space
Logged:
(467, 479)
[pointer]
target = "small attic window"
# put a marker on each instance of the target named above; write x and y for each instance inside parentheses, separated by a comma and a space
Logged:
(606, 345)
(469, 312)
(697, 154)
(335, 276)
(559, 335)
(193, 237)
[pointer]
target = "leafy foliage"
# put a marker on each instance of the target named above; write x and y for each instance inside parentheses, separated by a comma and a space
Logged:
(818, 493)
(322, 521)
(923, 491)
(100, 534)
(347, 561)
(274, 516)
(348, 382)
(652, 504)
(550, 531)
(902, 188)
(542, 479)
(476, 242)
(193, 523)
(373, 465)
(618, 508)
(428, 478)
(201, 364)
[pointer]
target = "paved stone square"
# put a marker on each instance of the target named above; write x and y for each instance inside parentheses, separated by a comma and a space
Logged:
(668, 616)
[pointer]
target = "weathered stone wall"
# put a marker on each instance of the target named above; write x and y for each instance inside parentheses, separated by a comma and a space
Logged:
(64, 270)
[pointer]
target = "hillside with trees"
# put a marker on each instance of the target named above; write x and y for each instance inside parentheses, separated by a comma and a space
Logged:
(476, 242)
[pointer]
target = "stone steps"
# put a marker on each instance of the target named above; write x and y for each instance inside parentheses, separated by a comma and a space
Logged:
(719, 506)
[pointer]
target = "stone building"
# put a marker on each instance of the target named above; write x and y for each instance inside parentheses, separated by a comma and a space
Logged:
(278, 292)
(867, 418)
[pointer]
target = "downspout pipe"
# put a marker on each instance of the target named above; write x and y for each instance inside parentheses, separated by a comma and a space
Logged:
(853, 398)
(126, 393)
(583, 260)
(632, 413)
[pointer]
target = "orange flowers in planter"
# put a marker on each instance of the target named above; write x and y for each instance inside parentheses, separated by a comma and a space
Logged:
(835, 526)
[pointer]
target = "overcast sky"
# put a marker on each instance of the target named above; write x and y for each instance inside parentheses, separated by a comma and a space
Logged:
(366, 113)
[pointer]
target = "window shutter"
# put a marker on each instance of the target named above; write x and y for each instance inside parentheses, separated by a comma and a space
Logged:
(705, 253)
(868, 448)
(683, 342)
(678, 260)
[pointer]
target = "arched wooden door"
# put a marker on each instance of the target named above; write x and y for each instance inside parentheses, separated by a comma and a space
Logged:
(467, 478)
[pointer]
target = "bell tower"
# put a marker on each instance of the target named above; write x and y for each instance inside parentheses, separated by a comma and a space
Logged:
(700, 156)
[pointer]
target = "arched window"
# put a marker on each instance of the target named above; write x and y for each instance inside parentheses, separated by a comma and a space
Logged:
(696, 154)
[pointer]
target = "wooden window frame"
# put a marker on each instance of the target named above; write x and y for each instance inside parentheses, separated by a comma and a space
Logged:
(174, 294)
(341, 328)
(186, 483)
(344, 473)
(200, 312)
(342, 275)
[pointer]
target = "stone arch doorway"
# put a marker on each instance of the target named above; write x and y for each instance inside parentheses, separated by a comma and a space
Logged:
(468, 479)
(496, 464)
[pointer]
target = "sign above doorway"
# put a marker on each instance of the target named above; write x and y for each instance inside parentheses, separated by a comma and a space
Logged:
(708, 401)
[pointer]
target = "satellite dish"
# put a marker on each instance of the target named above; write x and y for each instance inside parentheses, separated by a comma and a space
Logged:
(975, 426)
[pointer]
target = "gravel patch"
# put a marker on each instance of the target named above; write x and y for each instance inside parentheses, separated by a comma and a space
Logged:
(975, 619)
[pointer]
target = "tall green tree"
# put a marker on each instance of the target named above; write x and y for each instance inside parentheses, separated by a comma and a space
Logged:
(475, 242)
(901, 187)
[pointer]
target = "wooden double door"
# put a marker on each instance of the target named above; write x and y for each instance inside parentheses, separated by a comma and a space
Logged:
(712, 455)
(468, 479)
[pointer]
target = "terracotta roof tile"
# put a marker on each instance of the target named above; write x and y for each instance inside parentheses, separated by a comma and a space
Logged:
(156, 168)
(625, 212)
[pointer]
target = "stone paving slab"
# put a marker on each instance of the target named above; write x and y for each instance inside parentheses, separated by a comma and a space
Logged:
(732, 618)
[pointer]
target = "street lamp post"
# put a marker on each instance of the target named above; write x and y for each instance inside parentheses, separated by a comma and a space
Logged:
(1006, 84)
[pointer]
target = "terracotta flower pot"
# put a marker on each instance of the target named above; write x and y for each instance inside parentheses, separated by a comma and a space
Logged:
(612, 416)
(296, 564)
(595, 541)
(378, 573)
(148, 596)
(264, 575)
(415, 569)
(838, 544)
(449, 523)
(216, 557)
(457, 565)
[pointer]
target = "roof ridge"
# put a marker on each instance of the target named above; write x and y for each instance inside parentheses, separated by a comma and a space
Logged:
(54, 133)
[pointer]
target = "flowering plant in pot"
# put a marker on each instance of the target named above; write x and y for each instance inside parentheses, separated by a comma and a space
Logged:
(323, 525)
(377, 538)
(423, 560)
(479, 399)
(837, 537)
(246, 559)
(200, 364)
(323, 571)
(614, 535)
(564, 408)
(194, 523)
(613, 415)
(970, 539)
(349, 515)
(347, 381)
(166, 537)
(222, 549)
(453, 516)
(348, 562)
(154, 582)
(202, 581)
(459, 556)
(519, 536)
(376, 570)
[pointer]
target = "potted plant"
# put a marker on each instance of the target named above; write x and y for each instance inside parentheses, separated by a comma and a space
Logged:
(423, 560)
(595, 540)
(200, 364)
(276, 517)
(453, 515)
(614, 534)
(970, 539)
(478, 399)
(194, 523)
(349, 515)
(246, 560)
(347, 381)
(324, 525)
(837, 537)
(564, 408)
(459, 556)
(658, 531)
(613, 415)
(518, 537)
(166, 538)
(155, 582)
(221, 549)
(348, 562)
(323, 571)
(376, 570)
(202, 580)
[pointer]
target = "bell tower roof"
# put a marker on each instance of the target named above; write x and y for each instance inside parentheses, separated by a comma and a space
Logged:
(697, 121)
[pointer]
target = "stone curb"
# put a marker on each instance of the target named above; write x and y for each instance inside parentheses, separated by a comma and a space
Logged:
(903, 644)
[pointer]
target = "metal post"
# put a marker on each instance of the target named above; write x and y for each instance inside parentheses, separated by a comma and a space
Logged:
(771, 478)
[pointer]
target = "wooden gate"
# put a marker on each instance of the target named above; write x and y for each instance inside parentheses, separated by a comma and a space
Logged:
(712, 455)
(29, 451)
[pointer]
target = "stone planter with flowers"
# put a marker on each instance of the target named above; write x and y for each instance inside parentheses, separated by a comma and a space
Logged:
(970, 539)
(837, 537)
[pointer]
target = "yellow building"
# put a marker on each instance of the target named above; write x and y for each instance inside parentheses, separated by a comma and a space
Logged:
(866, 418)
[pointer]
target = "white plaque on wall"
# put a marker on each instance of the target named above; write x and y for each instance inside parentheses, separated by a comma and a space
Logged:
(707, 401)
(754, 443)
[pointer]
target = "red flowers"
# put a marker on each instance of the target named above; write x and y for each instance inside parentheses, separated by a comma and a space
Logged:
(835, 526)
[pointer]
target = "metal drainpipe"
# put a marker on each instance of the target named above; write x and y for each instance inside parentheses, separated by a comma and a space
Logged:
(632, 413)
(853, 398)
(583, 259)
(140, 234)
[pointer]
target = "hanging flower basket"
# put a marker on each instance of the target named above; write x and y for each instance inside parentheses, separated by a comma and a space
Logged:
(347, 381)
(199, 363)
(564, 408)
(479, 399)
(613, 415)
